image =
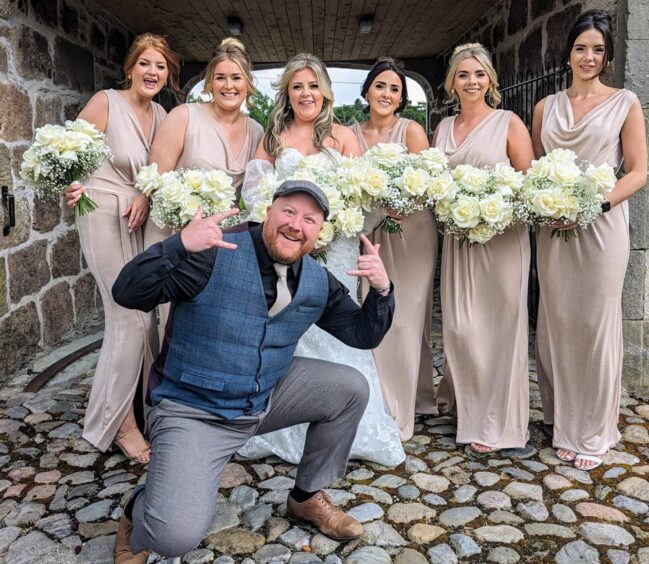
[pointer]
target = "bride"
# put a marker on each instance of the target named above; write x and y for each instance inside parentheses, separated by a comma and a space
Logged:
(301, 126)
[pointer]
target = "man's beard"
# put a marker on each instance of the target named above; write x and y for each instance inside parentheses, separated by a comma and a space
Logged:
(278, 254)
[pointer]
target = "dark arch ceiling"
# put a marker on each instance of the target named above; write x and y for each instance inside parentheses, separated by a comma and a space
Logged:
(274, 30)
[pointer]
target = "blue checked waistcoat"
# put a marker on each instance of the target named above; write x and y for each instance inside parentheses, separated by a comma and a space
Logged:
(226, 353)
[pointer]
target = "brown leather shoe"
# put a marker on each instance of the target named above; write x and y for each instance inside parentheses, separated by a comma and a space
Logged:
(327, 518)
(122, 551)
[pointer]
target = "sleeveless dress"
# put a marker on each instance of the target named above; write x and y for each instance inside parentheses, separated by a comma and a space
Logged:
(205, 147)
(130, 339)
(484, 311)
(377, 437)
(579, 329)
(404, 358)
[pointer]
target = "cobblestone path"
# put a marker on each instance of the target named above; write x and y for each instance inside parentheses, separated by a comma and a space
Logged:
(60, 498)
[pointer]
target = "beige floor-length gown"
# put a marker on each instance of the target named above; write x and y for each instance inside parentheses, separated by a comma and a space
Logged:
(130, 339)
(484, 311)
(579, 329)
(404, 358)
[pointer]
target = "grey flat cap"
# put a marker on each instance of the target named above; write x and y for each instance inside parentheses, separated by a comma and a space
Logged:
(289, 187)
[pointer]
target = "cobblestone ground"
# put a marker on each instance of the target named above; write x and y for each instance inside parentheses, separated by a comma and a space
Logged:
(60, 498)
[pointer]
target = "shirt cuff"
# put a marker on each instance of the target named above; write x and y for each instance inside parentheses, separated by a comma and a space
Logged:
(380, 296)
(174, 249)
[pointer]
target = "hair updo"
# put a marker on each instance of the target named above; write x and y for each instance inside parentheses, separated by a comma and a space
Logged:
(233, 50)
(480, 54)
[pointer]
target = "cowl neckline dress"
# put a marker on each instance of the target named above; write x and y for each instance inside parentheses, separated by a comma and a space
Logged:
(579, 329)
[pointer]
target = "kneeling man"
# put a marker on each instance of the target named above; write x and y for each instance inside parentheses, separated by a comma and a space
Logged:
(242, 300)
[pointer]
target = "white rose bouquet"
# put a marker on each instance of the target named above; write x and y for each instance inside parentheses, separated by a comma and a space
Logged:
(348, 184)
(556, 189)
(61, 155)
(410, 179)
(476, 204)
(177, 195)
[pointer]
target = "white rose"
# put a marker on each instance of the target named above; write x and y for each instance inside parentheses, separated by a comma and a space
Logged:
(148, 181)
(172, 190)
(568, 205)
(442, 187)
(336, 203)
(599, 179)
(376, 181)
(561, 156)
(88, 129)
(194, 179)
(49, 136)
(260, 210)
(443, 209)
(268, 185)
(189, 207)
(326, 235)
(471, 178)
(508, 177)
(546, 204)
(481, 233)
(492, 209)
(564, 173)
(302, 174)
(433, 159)
(539, 169)
(349, 221)
(217, 186)
(413, 181)
(465, 212)
(387, 154)
(350, 176)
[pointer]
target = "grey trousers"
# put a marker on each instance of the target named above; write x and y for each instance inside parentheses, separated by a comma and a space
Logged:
(190, 447)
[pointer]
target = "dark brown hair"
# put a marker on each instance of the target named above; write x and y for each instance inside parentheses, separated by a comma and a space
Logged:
(592, 19)
(383, 64)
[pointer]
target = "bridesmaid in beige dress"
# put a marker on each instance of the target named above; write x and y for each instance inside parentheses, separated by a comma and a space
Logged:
(115, 233)
(484, 287)
(579, 331)
(216, 134)
(404, 358)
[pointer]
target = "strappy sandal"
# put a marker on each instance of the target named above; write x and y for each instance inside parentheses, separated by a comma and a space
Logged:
(140, 456)
(598, 460)
(566, 458)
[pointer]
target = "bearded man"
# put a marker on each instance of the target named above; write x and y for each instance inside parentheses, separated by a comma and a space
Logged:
(242, 300)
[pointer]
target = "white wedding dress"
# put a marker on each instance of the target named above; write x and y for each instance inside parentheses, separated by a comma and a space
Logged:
(377, 438)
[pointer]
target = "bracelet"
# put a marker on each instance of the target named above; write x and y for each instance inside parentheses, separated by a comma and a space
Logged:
(381, 290)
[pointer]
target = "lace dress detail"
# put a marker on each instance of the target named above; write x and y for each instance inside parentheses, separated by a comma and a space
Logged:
(377, 438)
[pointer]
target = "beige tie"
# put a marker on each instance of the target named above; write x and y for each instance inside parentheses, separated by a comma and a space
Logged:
(283, 295)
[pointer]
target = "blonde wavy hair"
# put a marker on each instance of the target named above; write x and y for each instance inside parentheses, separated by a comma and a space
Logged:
(231, 49)
(281, 115)
(480, 54)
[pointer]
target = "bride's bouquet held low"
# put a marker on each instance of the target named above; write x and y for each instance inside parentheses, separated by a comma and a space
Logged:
(476, 204)
(558, 191)
(410, 179)
(177, 195)
(62, 155)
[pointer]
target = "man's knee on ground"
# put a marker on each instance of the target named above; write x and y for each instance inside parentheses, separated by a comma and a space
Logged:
(174, 537)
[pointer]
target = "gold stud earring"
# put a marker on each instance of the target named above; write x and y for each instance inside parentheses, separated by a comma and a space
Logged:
(452, 91)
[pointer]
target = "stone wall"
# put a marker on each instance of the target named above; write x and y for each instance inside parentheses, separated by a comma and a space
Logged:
(632, 72)
(53, 55)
